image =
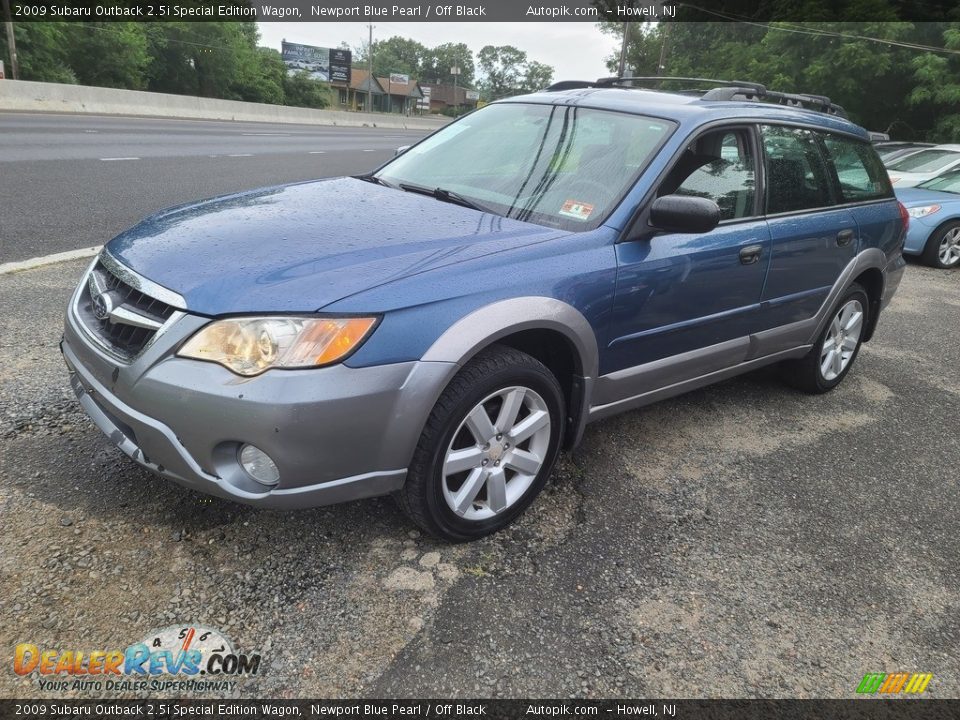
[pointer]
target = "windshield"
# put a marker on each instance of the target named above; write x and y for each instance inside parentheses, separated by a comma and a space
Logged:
(950, 183)
(559, 166)
(926, 161)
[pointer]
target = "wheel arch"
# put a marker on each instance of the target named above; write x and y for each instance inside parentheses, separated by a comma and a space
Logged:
(552, 331)
(872, 281)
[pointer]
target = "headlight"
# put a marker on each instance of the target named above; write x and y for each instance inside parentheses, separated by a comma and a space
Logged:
(250, 345)
(919, 212)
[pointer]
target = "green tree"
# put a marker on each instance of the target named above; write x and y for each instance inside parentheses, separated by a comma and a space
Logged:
(264, 79)
(874, 70)
(506, 71)
(109, 54)
(398, 55)
(536, 76)
(439, 60)
(42, 52)
(301, 90)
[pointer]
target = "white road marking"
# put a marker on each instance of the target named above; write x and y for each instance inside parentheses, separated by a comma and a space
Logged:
(269, 134)
(36, 262)
(369, 150)
(241, 155)
(91, 131)
(122, 158)
(318, 152)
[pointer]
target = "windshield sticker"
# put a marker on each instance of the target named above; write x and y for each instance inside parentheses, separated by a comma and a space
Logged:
(576, 209)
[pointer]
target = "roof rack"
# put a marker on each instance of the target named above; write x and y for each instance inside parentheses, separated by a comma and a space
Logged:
(720, 90)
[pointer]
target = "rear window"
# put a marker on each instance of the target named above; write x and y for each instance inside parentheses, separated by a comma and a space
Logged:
(925, 161)
(859, 171)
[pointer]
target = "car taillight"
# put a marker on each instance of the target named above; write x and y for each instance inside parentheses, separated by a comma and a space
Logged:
(904, 216)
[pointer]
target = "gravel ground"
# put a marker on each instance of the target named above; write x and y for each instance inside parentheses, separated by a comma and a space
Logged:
(740, 541)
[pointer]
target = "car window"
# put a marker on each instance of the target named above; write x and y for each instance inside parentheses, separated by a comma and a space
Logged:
(796, 174)
(559, 166)
(948, 182)
(926, 161)
(859, 170)
(718, 166)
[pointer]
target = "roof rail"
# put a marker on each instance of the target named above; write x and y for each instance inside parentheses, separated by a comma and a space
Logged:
(720, 90)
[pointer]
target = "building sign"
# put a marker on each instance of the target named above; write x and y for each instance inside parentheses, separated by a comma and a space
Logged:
(472, 95)
(424, 102)
(340, 62)
(399, 79)
(326, 64)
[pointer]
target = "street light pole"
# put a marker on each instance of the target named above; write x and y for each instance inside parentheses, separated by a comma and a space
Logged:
(11, 42)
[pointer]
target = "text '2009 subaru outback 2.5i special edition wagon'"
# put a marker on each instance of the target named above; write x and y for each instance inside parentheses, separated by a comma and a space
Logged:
(440, 328)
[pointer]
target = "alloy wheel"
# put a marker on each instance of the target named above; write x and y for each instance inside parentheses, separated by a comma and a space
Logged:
(950, 248)
(842, 339)
(496, 453)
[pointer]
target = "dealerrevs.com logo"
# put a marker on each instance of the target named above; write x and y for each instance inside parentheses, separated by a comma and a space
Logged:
(171, 658)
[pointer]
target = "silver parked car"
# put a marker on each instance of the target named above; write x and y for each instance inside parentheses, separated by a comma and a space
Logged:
(919, 167)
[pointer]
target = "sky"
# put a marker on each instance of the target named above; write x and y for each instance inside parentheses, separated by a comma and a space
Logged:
(576, 50)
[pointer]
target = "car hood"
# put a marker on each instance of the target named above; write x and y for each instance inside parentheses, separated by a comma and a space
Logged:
(912, 197)
(906, 179)
(300, 247)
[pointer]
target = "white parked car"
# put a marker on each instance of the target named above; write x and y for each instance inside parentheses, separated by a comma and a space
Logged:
(921, 166)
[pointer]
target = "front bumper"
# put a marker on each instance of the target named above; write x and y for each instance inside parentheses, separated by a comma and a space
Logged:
(919, 232)
(335, 433)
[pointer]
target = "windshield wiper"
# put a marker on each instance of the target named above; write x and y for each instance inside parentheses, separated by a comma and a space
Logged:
(375, 180)
(445, 196)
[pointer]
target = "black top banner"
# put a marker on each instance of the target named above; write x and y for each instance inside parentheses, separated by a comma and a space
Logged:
(482, 11)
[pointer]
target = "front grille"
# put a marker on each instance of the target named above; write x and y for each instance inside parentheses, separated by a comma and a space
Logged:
(124, 340)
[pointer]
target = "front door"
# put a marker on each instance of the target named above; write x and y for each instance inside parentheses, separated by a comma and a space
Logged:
(678, 293)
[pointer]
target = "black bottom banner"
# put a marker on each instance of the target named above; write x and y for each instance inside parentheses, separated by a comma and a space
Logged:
(397, 709)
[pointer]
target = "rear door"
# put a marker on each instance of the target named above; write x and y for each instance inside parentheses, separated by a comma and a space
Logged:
(863, 183)
(812, 239)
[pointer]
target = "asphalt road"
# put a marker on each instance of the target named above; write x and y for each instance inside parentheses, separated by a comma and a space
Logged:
(743, 540)
(71, 181)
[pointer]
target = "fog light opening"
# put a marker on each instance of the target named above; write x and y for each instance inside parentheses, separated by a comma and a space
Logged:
(258, 465)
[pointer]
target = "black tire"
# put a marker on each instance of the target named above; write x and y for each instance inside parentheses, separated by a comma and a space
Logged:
(806, 373)
(931, 251)
(422, 496)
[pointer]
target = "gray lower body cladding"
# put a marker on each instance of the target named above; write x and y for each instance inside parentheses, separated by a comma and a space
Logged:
(335, 433)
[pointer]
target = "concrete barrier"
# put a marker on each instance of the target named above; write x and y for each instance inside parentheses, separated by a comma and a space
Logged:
(27, 96)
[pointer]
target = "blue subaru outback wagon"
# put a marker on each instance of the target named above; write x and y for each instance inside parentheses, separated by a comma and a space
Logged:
(441, 328)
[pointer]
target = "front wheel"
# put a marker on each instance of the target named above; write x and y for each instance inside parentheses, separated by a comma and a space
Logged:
(488, 447)
(833, 354)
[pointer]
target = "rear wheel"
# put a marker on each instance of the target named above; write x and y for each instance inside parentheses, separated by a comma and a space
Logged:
(488, 447)
(943, 247)
(835, 351)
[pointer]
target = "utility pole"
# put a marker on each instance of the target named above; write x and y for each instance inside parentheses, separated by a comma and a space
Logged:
(455, 71)
(623, 51)
(661, 66)
(369, 70)
(11, 42)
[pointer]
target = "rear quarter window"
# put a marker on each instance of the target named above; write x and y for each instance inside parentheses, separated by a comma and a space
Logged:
(859, 171)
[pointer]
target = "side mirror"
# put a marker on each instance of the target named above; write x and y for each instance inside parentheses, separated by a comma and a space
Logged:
(401, 150)
(684, 214)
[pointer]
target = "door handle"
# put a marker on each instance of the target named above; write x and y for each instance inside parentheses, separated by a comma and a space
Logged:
(750, 254)
(844, 237)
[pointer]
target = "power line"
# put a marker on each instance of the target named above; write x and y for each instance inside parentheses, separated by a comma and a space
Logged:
(788, 27)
